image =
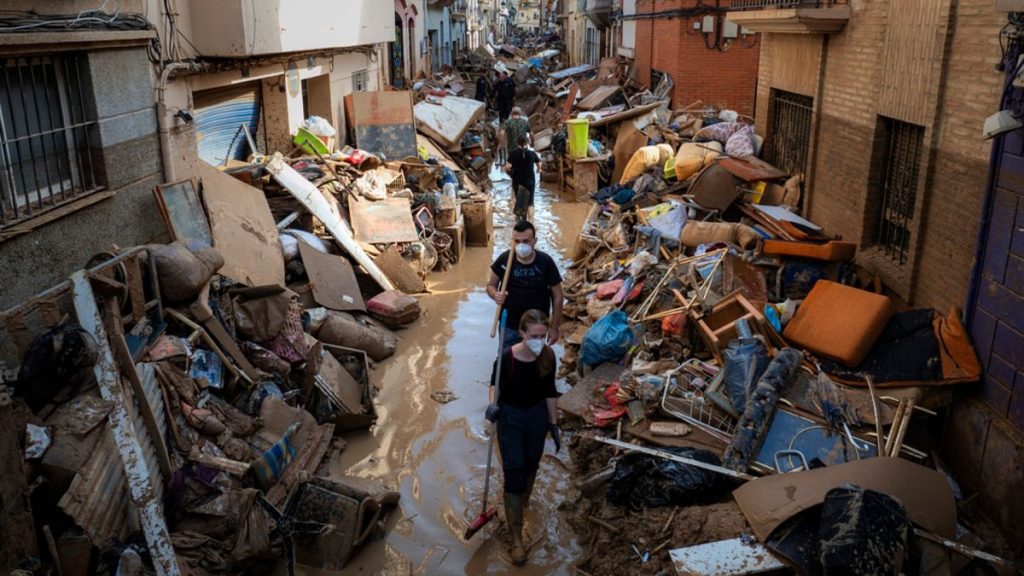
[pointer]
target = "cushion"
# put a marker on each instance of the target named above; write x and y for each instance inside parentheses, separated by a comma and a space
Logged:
(832, 251)
(839, 322)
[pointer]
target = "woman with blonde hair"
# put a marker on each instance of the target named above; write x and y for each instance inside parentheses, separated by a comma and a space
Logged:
(525, 412)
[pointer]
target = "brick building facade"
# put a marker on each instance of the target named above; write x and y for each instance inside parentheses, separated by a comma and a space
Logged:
(724, 74)
(895, 102)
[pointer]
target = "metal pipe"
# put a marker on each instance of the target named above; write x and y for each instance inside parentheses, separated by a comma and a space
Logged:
(161, 113)
(894, 429)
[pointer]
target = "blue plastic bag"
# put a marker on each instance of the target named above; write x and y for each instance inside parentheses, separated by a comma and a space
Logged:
(607, 340)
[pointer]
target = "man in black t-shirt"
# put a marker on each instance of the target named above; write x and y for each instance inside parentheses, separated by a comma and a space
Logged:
(535, 283)
(520, 166)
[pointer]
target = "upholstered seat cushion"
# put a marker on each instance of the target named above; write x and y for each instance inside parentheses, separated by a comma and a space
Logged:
(839, 322)
(832, 251)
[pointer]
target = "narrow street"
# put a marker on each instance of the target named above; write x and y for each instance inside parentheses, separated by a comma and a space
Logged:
(245, 324)
(435, 453)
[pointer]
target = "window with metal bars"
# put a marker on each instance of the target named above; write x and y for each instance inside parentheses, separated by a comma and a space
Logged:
(789, 131)
(897, 169)
(45, 126)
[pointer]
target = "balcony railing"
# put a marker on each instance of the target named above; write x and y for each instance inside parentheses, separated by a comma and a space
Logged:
(791, 16)
(758, 4)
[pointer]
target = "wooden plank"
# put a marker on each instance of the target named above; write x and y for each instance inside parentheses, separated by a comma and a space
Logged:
(448, 119)
(384, 222)
(381, 108)
(332, 280)
(243, 229)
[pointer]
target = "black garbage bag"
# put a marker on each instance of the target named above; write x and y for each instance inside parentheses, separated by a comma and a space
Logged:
(862, 533)
(648, 481)
(743, 362)
(57, 358)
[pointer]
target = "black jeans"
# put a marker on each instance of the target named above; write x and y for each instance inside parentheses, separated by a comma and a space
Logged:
(523, 193)
(521, 435)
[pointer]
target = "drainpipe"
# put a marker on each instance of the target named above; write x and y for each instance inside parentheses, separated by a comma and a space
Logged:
(161, 113)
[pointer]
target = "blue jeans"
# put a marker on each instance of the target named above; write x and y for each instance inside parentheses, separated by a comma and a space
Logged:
(521, 435)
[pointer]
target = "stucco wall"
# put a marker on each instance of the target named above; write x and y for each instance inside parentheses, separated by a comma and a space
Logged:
(127, 151)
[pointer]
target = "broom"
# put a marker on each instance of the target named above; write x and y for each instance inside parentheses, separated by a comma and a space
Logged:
(486, 515)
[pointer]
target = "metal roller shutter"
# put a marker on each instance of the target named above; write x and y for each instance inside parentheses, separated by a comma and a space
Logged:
(220, 114)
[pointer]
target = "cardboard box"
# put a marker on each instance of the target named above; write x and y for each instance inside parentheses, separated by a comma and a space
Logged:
(479, 222)
(458, 234)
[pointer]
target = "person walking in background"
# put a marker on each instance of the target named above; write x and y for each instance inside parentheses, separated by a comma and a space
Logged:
(525, 411)
(509, 132)
(481, 89)
(504, 96)
(523, 166)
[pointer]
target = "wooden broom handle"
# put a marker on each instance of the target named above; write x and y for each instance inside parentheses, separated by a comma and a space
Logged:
(503, 288)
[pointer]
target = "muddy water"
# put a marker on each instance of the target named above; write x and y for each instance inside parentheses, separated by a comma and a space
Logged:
(435, 454)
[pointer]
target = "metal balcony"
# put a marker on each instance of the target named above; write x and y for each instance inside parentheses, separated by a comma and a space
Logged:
(791, 16)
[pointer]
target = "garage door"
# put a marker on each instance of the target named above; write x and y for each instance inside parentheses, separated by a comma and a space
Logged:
(220, 115)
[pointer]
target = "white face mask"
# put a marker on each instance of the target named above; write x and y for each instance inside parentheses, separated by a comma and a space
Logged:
(524, 250)
(535, 345)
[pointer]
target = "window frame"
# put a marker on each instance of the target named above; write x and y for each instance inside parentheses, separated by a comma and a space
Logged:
(897, 167)
(74, 175)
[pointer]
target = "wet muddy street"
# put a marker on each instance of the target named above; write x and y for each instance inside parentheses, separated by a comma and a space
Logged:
(435, 454)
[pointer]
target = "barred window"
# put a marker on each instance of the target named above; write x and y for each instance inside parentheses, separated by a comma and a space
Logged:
(45, 126)
(789, 131)
(899, 167)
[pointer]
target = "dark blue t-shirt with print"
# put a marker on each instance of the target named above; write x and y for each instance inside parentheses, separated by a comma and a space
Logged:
(529, 285)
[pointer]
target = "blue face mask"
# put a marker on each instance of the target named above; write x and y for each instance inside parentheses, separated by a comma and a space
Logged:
(524, 250)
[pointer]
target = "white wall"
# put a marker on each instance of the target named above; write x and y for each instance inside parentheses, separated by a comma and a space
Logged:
(628, 45)
(252, 27)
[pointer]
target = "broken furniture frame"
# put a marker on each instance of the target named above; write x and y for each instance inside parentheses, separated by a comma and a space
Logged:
(683, 398)
(129, 283)
(718, 328)
(368, 418)
(144, 496)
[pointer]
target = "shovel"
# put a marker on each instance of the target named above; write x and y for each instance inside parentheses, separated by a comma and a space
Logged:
(486, 515)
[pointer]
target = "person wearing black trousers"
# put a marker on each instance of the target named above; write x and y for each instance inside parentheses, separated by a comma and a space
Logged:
(504, 96)
(525, 411)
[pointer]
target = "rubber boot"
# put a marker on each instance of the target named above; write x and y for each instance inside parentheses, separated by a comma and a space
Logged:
(514, 516)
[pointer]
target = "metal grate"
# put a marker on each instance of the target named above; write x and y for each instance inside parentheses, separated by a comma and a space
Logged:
(789, 131)
(45, 127)
(758, 4)
(900, 164)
